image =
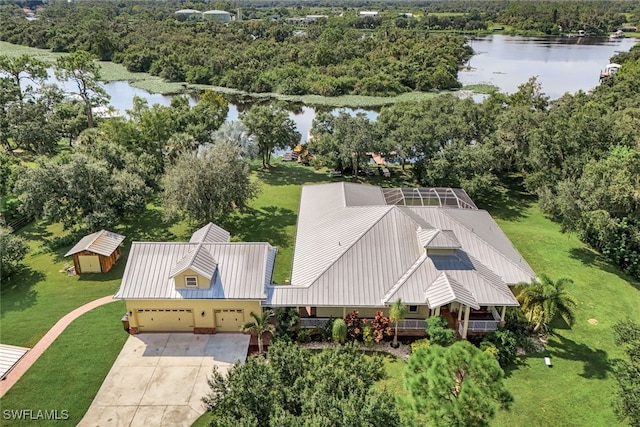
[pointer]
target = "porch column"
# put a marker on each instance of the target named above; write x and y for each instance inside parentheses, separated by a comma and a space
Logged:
(344, 312)
(460, 313)
(502, 313)
(465, 327)
(437, 313)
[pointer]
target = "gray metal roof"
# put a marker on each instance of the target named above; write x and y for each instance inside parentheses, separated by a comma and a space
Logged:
(438, 239)
(9, 356)
(102, 242)
(243, 271)
(210, 233)
(197, 259)
(445, 290)
(368, 255)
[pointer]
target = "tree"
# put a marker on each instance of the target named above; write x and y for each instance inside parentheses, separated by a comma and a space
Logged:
(81, 191)
(20, 68)
(544, 299)
(80, 68)
(627, 372)
(236, 133)
(260, 326)
(13, 249)
(295, 387)
(397, 312)
(272, 128)
(339, 331)
(454, 386)
(208, 187)
(439, 331)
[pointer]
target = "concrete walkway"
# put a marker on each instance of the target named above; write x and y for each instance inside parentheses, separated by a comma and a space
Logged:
(32, 355)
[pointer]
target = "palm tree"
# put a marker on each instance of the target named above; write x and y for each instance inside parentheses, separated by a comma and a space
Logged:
(543, 299)
(397, 312)
(260, 325)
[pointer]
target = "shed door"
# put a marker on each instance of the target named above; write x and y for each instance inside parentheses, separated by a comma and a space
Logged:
(229, 320)
(89, 263)
(165, 320)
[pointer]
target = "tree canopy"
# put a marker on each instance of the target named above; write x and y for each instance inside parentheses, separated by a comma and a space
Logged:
(627, 372)
(272, 128)
(334, 387)
(457, 385)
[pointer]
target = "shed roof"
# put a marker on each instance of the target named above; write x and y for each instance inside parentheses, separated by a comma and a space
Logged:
(354, 249)
(243, 270)
(102, 242)
(210, 233)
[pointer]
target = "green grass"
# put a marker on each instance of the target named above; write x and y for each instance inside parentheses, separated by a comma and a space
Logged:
(68, 375)
(481, 88)
(37, 296)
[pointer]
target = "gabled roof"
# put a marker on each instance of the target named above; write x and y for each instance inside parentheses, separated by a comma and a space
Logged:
(371, 253)
(445, 289)
(438, 239)
(244, 270)
(198, 260)
(210, 233)
(102, 242)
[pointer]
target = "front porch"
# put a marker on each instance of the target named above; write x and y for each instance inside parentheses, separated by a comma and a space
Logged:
(481, 321)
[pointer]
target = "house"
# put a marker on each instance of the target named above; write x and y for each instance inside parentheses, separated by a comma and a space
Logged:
(206, 285)
(364, 247)
(358, 247)
(97, 252)
(370, 13)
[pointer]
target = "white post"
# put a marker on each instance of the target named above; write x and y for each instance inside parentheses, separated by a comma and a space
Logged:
(467, 310)
(460, 312)
(437, 311)
(344, 312)
(502, 313)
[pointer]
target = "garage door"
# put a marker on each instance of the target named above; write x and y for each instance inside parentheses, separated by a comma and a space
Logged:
(89, 264)
(165, 320)
(229, 320)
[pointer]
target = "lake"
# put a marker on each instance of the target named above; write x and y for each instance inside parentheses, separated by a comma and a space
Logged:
(562, 64)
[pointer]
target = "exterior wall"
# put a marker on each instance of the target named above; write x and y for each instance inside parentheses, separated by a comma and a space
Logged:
(106, 262)
(368, 312)
(440, 251)
(203, 282)
(203, 324)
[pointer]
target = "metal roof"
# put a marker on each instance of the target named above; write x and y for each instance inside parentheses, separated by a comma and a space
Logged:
(438, 239)
(9, 356)
(445, 290)
(243, 271)
(102, 242)
(367, 255)
(197, 259)
(210, 233)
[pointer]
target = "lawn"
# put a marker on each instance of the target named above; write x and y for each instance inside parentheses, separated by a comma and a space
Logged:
(68, 375)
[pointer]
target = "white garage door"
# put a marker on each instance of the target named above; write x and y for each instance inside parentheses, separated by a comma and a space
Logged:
(165, 320)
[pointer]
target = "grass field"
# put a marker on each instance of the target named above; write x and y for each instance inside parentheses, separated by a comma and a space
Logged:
(68, 375)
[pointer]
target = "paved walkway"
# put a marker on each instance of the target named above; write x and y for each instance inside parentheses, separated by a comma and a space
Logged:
(32, 355)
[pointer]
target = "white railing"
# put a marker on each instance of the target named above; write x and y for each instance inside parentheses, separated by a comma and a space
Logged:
(479, 326)
(412, 324)
(319, 322)
(313, 322)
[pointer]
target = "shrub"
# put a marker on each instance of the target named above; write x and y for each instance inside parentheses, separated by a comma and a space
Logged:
(287, 322)
(327, 330)
(488, 347)
(339, 331)
(354, 325)
(13, 249)
(439, 331)
(381, 327)
(423, 343)
(304, 336)
(368, 335)
(505, 343)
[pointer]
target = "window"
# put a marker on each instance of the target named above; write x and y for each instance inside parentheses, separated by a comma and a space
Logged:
(191, 281)
(413, 309)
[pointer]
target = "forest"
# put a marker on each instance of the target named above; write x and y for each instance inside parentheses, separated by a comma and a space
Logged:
(394, 52)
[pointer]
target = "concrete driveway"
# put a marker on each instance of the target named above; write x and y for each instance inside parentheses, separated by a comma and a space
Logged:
(159, 379)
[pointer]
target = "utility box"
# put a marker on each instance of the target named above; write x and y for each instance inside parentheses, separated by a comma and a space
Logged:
(125, 322)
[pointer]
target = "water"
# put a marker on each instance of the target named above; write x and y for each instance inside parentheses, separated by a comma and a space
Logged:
(562, 64)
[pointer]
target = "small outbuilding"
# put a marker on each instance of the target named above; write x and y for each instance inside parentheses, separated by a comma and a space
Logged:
(97, 252)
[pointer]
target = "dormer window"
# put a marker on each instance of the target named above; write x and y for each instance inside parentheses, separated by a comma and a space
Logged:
(191, 281)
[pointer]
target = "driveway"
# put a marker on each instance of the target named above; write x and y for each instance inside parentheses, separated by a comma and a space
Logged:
(159, 379)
